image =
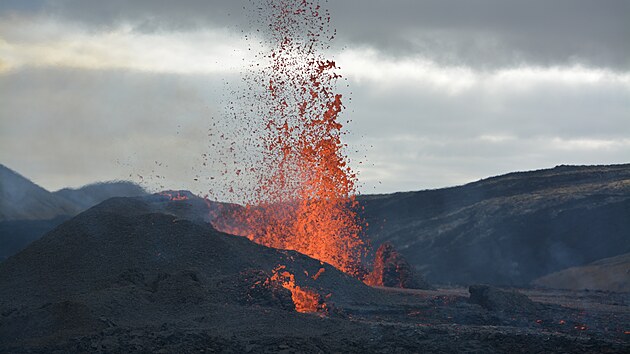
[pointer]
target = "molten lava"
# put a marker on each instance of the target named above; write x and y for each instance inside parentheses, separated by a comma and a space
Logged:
(305, 300)
(304, 198)
(392, 270)
(174, 195)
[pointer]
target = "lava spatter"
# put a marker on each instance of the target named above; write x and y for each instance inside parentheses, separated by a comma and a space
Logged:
(304, 193)
(305, 300)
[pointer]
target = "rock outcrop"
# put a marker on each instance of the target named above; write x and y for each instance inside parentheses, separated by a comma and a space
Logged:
(392, 270)
(494, 299)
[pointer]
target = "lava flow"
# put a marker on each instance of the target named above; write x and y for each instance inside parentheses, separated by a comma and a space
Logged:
(304, 199)
(305, 300)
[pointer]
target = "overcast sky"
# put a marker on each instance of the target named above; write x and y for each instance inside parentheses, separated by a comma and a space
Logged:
(443, 92)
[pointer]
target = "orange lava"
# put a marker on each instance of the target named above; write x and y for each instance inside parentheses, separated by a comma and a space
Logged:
(305, 300)
(319, 273)
(304, 198)
(174, 196)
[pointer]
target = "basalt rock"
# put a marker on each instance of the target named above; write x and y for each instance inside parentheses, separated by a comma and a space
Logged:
(257, 288)
(494, 299)
(392, 270)
(125, 263)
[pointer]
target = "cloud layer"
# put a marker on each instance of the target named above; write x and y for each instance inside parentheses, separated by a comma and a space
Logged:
(442, 93)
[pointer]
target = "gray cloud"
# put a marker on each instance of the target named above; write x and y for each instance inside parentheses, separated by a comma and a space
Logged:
(479, 33)
(71, 127)
(146, 15)
(490, 33)
(416, 136)
(65, 126)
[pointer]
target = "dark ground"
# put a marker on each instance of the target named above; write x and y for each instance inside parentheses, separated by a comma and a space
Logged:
(121, 278)
(440, 321)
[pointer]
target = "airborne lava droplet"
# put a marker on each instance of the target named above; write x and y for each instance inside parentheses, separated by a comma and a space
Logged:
(303, 197)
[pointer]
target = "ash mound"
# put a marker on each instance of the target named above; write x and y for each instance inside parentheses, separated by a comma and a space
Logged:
(123, 278)
(184, 204)
(494, 299)
(120, 264)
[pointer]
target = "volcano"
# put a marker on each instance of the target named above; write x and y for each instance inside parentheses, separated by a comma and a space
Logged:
(127, 276)
(122, 263)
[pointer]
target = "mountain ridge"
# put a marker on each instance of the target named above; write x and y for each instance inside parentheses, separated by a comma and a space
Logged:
(522, 221)
(27, 210)
(22, 199)
(505, 230)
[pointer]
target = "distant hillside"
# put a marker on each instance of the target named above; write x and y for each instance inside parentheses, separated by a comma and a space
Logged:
(21, 199)
(27, 211)
(508, 229)
(609, 274)
(92, 194)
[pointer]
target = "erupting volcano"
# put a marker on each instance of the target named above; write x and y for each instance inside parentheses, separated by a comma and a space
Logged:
(304, 196)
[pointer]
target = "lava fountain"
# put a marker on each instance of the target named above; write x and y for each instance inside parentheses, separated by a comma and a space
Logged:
(304, 195)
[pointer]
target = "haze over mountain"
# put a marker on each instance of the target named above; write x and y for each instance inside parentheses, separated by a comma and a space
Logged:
(92, 194)
(21, 199)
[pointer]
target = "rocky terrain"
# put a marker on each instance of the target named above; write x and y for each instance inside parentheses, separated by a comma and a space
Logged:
(15, 235)
(511, 229)
(122, 278)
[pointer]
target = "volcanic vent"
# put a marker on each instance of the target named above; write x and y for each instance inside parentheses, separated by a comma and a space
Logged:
(304, 195)
(122, 262)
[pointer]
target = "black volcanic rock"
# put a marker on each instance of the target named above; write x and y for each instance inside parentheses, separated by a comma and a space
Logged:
(121, 278)
(508, 230)
(122, 264)
(186, 205)
(253, 288)
(495, 299)
(391, 269)
(15, 235)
